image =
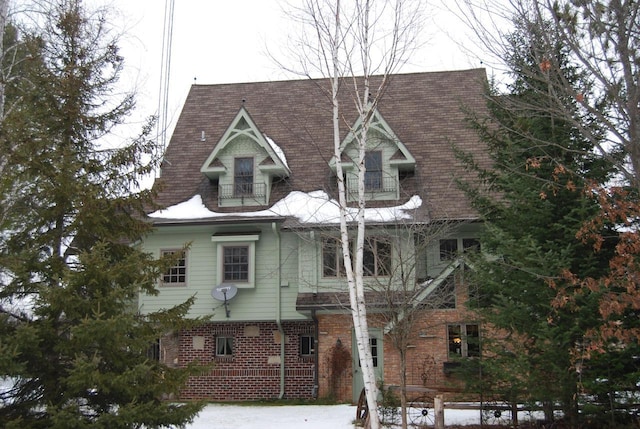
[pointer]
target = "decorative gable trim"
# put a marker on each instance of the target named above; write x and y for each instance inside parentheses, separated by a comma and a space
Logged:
(402, 158)
(243, 125)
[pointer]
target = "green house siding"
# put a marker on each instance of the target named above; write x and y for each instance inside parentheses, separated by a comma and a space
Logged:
(275, 283)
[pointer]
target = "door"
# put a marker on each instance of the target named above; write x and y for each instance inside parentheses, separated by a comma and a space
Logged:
(375, 340)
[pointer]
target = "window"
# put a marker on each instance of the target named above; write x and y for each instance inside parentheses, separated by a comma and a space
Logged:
(235, 265)
(448, 249)
(243, 176)
(307, 345)
(224, 346)
(332, 260)
(464, 341)
(373, 343)
(235, 257)
(153, 352)
(376, 257)
(176, 274)
(373, 170)
(470, 245)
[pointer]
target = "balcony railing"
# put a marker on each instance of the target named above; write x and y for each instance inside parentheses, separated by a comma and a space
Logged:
(373, 185)
(249, 192)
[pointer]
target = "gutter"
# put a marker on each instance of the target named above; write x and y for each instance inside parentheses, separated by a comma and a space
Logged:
(274, 227)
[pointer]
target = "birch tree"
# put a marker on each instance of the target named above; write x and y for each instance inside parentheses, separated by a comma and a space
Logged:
(349, 42)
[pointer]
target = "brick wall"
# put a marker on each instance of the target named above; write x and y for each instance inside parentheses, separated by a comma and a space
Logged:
(426, 354)
(253, 371)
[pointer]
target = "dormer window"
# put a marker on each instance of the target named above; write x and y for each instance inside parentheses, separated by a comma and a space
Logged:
(245, 163)
(243, 177)
(373, 170)
(386, 160)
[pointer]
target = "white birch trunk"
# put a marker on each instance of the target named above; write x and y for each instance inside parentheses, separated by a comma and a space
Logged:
(354, 272)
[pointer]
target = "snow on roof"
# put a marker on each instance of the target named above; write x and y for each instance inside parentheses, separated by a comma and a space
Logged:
(277, 149)
(314, 208)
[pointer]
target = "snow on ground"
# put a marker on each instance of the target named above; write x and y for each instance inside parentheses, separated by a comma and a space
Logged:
(221, 416)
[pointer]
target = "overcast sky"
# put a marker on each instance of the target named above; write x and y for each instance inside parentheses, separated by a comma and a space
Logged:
(227, 41)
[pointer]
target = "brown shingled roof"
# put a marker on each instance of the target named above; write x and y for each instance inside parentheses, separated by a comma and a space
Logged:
(423, 109)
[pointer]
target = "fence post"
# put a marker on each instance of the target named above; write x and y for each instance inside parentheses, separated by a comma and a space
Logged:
(438, 405)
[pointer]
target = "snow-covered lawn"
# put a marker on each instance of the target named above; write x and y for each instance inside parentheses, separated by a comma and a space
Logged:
(296, 416)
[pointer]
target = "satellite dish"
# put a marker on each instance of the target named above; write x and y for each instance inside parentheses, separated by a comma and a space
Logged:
(224, 292)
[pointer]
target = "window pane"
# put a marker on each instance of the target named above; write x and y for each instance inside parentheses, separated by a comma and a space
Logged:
(455, 341)
(236, 263)
(373, 170)
(306, 345)
(332, 260)
(374, 351)
(243, 176)
(224, 346)
(448, 249)
(177, 273)
(376, 258)
(473, 341)
(329, 257)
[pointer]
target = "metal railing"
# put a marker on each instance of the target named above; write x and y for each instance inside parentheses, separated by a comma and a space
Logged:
(245, 191)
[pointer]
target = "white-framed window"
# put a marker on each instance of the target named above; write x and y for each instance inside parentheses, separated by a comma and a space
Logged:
(464, 340)
(236, 256)
(176, 274)
(224, 346)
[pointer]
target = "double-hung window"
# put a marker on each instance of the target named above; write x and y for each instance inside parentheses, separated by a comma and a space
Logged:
(243, 176)
(236, 258)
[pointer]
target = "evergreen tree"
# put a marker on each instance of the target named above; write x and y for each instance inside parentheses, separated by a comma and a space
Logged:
(73, 348)
(533, 202)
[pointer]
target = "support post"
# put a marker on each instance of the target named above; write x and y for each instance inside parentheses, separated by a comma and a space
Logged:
(438, 405)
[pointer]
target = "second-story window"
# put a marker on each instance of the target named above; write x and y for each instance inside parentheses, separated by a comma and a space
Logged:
(332, 260)
(235, 264)
(176, 275)
(243, 176)
(376, 257)
(448, 249)
(373, 170)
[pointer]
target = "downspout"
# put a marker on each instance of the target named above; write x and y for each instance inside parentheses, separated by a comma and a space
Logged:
(276, 232)
(316, 358)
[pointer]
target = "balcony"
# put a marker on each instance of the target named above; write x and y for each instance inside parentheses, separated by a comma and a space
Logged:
(375, 187)
(242, 194)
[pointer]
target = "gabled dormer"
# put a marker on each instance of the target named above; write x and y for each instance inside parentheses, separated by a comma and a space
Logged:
(244, 163)
(386, 160)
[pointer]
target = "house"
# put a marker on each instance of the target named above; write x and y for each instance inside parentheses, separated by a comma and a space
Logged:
(249, 183)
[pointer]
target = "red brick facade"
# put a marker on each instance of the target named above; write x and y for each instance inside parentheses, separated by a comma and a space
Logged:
(252, 372)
